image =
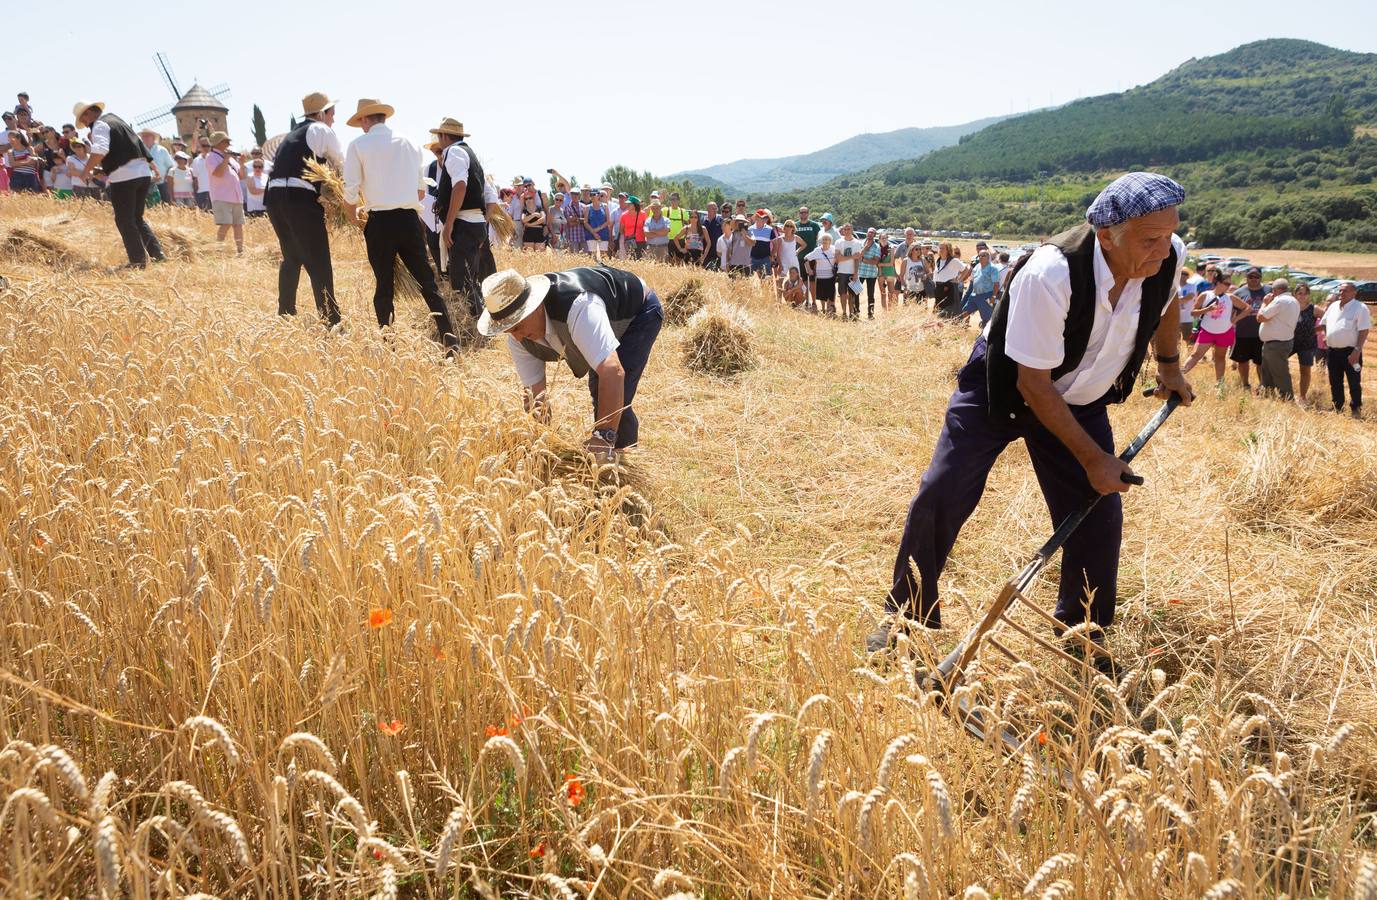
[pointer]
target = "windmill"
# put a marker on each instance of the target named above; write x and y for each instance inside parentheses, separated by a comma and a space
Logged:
(198, 111)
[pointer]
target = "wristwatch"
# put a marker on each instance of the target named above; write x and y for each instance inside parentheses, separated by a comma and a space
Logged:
(607, 435)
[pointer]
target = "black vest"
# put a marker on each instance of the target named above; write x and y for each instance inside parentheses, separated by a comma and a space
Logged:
(124, 144)
(473, 185)
(292, 153)
(621, 292)
(1078, 246)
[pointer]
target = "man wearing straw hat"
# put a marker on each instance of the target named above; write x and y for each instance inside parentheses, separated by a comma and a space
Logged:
(459, 205)
(601, 321)
(1066, 340)
(294, 209)
(386, 169)
(117, 150)
(162, 165)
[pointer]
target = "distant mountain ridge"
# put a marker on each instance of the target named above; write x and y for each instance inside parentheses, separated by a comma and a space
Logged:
(854, 154)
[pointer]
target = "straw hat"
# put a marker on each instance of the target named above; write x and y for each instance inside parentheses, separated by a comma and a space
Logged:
(315, 103)
(156, 136)
(82, 105)
(451, 127)
(369, 107)
(509, 297)
(217, 137)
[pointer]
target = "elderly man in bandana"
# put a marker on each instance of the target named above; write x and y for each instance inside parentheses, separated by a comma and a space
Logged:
(1067, 338)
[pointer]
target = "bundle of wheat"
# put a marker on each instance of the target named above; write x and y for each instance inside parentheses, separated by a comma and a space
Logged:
(681, 303)
(331, 193)
(719, 341)
(501, 222)
(178, 243)
(30, 245)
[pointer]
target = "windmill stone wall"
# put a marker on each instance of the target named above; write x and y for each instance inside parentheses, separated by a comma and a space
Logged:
(198, 104)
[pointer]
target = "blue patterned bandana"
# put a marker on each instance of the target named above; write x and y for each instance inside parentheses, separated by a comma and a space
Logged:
(1133, 195)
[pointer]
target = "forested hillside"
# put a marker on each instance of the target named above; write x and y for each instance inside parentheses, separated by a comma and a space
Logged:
(1273, 141)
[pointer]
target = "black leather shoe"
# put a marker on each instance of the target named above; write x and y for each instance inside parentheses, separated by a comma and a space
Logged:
(1102, 662)
(885, 637)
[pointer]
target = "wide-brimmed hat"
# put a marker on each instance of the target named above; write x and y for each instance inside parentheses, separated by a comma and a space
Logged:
(315, 103)
(180, 154)
(509, 297)
(369, 107)
(217, 137)
(451, 127)
(82, 105)
(146, 130)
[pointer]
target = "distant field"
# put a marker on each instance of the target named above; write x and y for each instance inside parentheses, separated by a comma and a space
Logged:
(1316, 262)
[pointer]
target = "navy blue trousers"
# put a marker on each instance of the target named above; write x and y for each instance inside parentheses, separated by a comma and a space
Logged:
(970, 442)
(634, 352)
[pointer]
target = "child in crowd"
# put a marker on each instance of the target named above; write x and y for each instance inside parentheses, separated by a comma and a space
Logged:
(183, 188)
(793, 287)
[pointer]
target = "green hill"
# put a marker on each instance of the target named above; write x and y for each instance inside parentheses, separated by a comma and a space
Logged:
(851, 155)
(1263, 137)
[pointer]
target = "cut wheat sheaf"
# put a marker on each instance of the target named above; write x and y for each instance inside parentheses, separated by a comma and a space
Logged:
(297, 613)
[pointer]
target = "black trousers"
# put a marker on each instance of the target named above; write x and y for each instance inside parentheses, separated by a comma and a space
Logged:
(433, 244)
(1339, 370)
(129, 199)
(634, 352)
(391, 233)
(970, 442)
(469, 238)
(487, 263)
(299, 221)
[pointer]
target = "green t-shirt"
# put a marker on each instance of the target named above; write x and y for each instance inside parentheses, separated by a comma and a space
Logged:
(677, 219)
(809, 232)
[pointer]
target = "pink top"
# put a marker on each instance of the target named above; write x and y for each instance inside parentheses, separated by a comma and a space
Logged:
(223, 187)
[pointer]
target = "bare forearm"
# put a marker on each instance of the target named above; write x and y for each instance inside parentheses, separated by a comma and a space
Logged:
(611, 399)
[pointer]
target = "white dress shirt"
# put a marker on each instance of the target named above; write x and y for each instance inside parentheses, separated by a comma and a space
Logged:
(589, 328)
(1343, 321)
(386, 168)
(1279, 319)
(323, 141)
(457, 165)
(1039, 300)
(99, 140)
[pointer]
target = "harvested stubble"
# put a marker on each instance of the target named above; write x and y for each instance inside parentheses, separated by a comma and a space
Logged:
(719, 341)
(207, 510)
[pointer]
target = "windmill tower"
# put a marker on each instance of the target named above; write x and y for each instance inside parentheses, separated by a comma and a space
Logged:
(198, 112)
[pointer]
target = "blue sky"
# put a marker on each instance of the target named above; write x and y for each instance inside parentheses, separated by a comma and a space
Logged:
(654, 85)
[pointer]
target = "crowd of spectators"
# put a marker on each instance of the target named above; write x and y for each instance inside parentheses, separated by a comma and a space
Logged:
(1259, 327)
(213, 176)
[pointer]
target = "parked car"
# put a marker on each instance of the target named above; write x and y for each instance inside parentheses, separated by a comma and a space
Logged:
(1367, 291)
(1210, 258)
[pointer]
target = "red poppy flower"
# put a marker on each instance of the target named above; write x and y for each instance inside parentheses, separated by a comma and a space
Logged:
(379, 616)
(1174, 601)
(391, 729)
(538, 850)
(438, 653)
(495, 730)
(1042, 737)
(573, 790)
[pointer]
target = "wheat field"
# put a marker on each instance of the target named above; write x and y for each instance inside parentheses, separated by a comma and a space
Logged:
(289, 613)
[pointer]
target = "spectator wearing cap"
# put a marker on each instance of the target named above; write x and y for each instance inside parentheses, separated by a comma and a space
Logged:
(382, 171)
(984, 279)
(117, 149)
(226, 193)
(1345, 325)
(633, 229)
(1247, 349)
(657, 231)
(76, 166)
(533, 216)
(183, 185)
(573, 234)
(825, 220)
(162, 166)
(1066, 340)
(294, 209)
(602, 322)
(735, 245)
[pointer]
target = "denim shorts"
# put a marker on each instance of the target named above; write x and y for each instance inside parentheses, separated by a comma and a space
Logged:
(760, 264)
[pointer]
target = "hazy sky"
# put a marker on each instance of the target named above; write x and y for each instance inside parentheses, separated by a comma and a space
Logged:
(650, 84)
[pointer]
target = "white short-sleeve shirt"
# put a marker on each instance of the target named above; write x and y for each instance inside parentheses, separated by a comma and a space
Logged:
(1039, 300)
(589, 328)
(1343, 321)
